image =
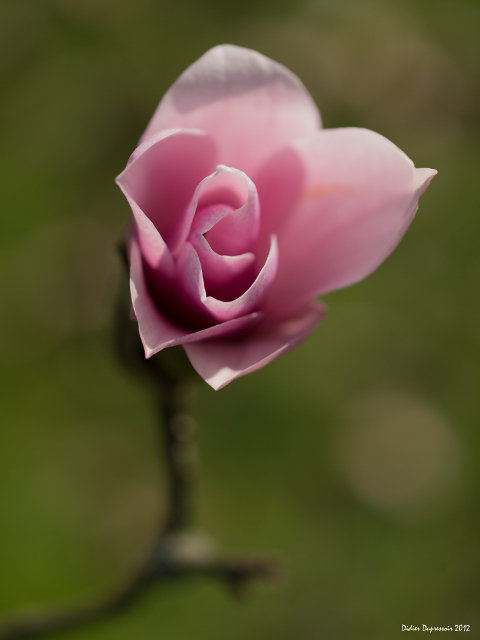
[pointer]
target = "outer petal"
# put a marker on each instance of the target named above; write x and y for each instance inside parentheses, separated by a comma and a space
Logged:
(220, 361)
(250, 104)
(156, 332)
(161, 178)
(358, 197)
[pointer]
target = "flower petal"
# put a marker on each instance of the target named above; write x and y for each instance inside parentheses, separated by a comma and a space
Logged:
(219, 361)
(191, 280)
(229, 230)
(221, 271)
(151, 245)
(358, 197)
(162, 176)
(223, 236)
(250, 104)
(156, 332)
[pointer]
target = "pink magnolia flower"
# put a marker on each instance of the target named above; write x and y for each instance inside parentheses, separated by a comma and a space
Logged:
(245, 210)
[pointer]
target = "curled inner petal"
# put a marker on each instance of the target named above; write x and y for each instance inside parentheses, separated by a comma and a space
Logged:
(193, 286)
(156, 330)
(227, 211)
(225, 277)
(224, 231)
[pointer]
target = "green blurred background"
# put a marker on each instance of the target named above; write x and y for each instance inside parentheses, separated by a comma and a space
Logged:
(356, 457)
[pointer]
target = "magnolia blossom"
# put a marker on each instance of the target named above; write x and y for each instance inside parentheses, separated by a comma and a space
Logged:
(245, 210)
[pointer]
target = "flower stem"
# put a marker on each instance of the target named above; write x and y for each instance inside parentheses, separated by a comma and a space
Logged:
(178, 552)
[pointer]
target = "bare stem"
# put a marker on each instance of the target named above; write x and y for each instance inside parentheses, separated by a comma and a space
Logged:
(169, 377)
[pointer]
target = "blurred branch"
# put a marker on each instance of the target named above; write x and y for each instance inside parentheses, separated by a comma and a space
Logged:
(178, 553)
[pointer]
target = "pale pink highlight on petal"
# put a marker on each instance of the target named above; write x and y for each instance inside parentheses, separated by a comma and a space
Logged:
(221, 361)
(423, 177)
(358, 197)
(251, 105)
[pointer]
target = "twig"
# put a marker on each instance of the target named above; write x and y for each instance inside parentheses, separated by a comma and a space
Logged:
(178, 553)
